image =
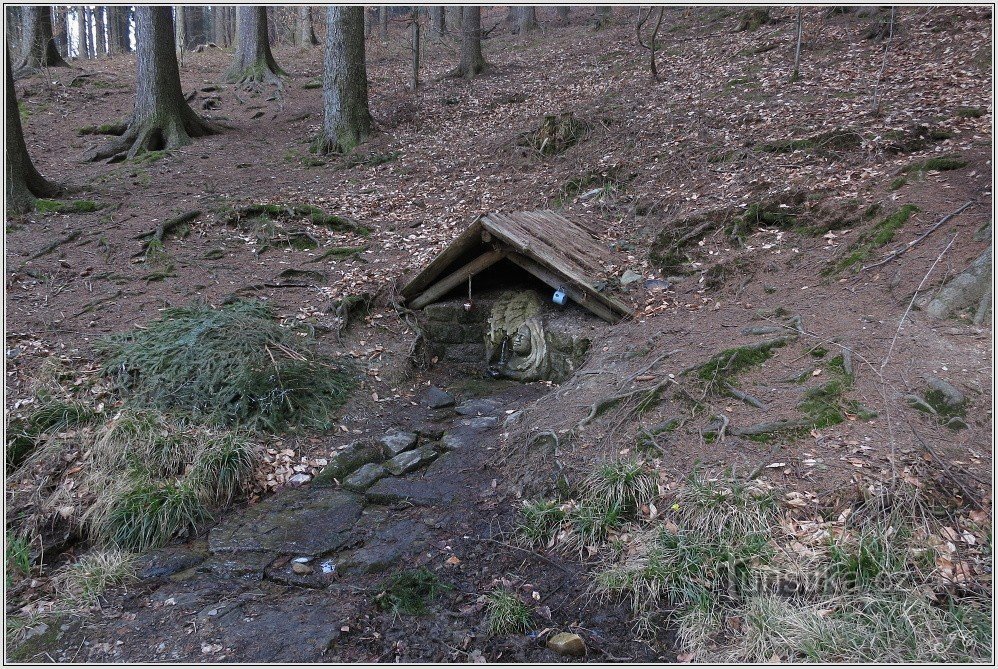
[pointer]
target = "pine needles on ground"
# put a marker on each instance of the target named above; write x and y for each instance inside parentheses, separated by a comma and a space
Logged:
(235, 365)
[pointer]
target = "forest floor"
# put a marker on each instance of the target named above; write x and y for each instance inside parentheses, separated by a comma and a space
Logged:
(691, 153)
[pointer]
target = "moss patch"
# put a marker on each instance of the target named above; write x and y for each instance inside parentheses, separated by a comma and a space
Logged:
(43, 206)
(938, 164)
(825, 143)
(881, 234)
(727, 364)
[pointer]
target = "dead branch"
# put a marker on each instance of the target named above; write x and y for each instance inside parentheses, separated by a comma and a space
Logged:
(905, 249)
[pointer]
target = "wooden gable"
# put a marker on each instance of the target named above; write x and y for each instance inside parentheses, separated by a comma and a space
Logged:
(554, 249)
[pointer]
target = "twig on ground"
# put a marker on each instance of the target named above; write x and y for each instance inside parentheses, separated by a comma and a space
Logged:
(57, 243)
(904, 249)
(744, 397)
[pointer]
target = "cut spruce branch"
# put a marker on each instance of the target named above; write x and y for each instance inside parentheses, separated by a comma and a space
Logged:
(901, 251)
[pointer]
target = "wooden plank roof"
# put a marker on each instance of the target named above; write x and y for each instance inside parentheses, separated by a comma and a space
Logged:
(544, 243)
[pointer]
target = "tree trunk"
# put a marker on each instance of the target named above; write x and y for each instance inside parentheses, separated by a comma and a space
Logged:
(472, 61)
(179, 32)
(603, 15)
(254, 62)
(437, 21)
(383, 24)
(101, 39)
(59, 31)
(195, 27)
(15, 31)
(123, 28)
(305, 33)
(91, 45)
(563, 14)
(162, 119)
(81, 33)
(454, 22)
(347, 120)
(415, 48)
(220, 23)
(526, 19)
(24, 183)
(38, 48)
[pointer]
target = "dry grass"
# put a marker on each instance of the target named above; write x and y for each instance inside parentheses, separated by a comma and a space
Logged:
(81, 584)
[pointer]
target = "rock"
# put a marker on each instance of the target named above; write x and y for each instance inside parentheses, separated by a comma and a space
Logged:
(301, 568)
(392, 541)
(566, 643)
(432, 488)
(512, 419)
(438, 399)
(956, 423)
(916, 402)
(963, 290)
(299, 479)
(365, 477)
(588, 195)
(397, 442)
(629, 277)
(172, 559)
(430, 431)
(301, 521)
(347, 460)
(482, 407)
(656, 285)
(403, 463)
(467, 432)
(946, 393)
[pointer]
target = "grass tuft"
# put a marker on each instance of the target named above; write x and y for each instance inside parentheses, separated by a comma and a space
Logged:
(235, 365)
(507, 614)
(409, 591)
(148, 514)
(82, 583)
(17, 558)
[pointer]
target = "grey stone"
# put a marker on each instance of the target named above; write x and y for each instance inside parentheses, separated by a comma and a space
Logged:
(655, 285)
(956, 423)
(403, 463)
(386, 549)
(481, 407)
(963, 290)
(243, 564)
(172, 559)
(566, 643)
(468, 432)
(301, 521)
(365, 477)
(916, 402)
(348, 459)
(438, 399)
(950, 396)
(299, 479)
(397, 442)
(629, 277)
(301, 568)
(430, 431)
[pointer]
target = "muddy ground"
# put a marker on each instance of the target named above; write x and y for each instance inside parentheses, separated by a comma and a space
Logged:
(658, 153)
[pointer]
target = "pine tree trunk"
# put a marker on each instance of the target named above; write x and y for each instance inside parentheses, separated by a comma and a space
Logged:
(603, 15)
(15, 30)
(162, 118)
(254, 62)
(305, 33)
(81, 31)
(101, 40)
(59, 31)
(436, 21)
(24, 183)
(472, 61)
(454, 22)
(347, 120)
(91, 46)
(383, 23)
(563, 14)
(527, 19)
(38, 43)
(124, 22)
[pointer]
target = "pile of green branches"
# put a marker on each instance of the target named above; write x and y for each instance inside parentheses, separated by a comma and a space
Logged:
(234, 365)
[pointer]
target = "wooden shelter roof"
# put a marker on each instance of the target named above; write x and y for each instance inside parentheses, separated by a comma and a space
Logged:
(555, 249)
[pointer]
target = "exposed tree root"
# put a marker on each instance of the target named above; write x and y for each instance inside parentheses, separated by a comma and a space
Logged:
(744, 397)
(164, 228)
(57, 243)
(157, 135)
